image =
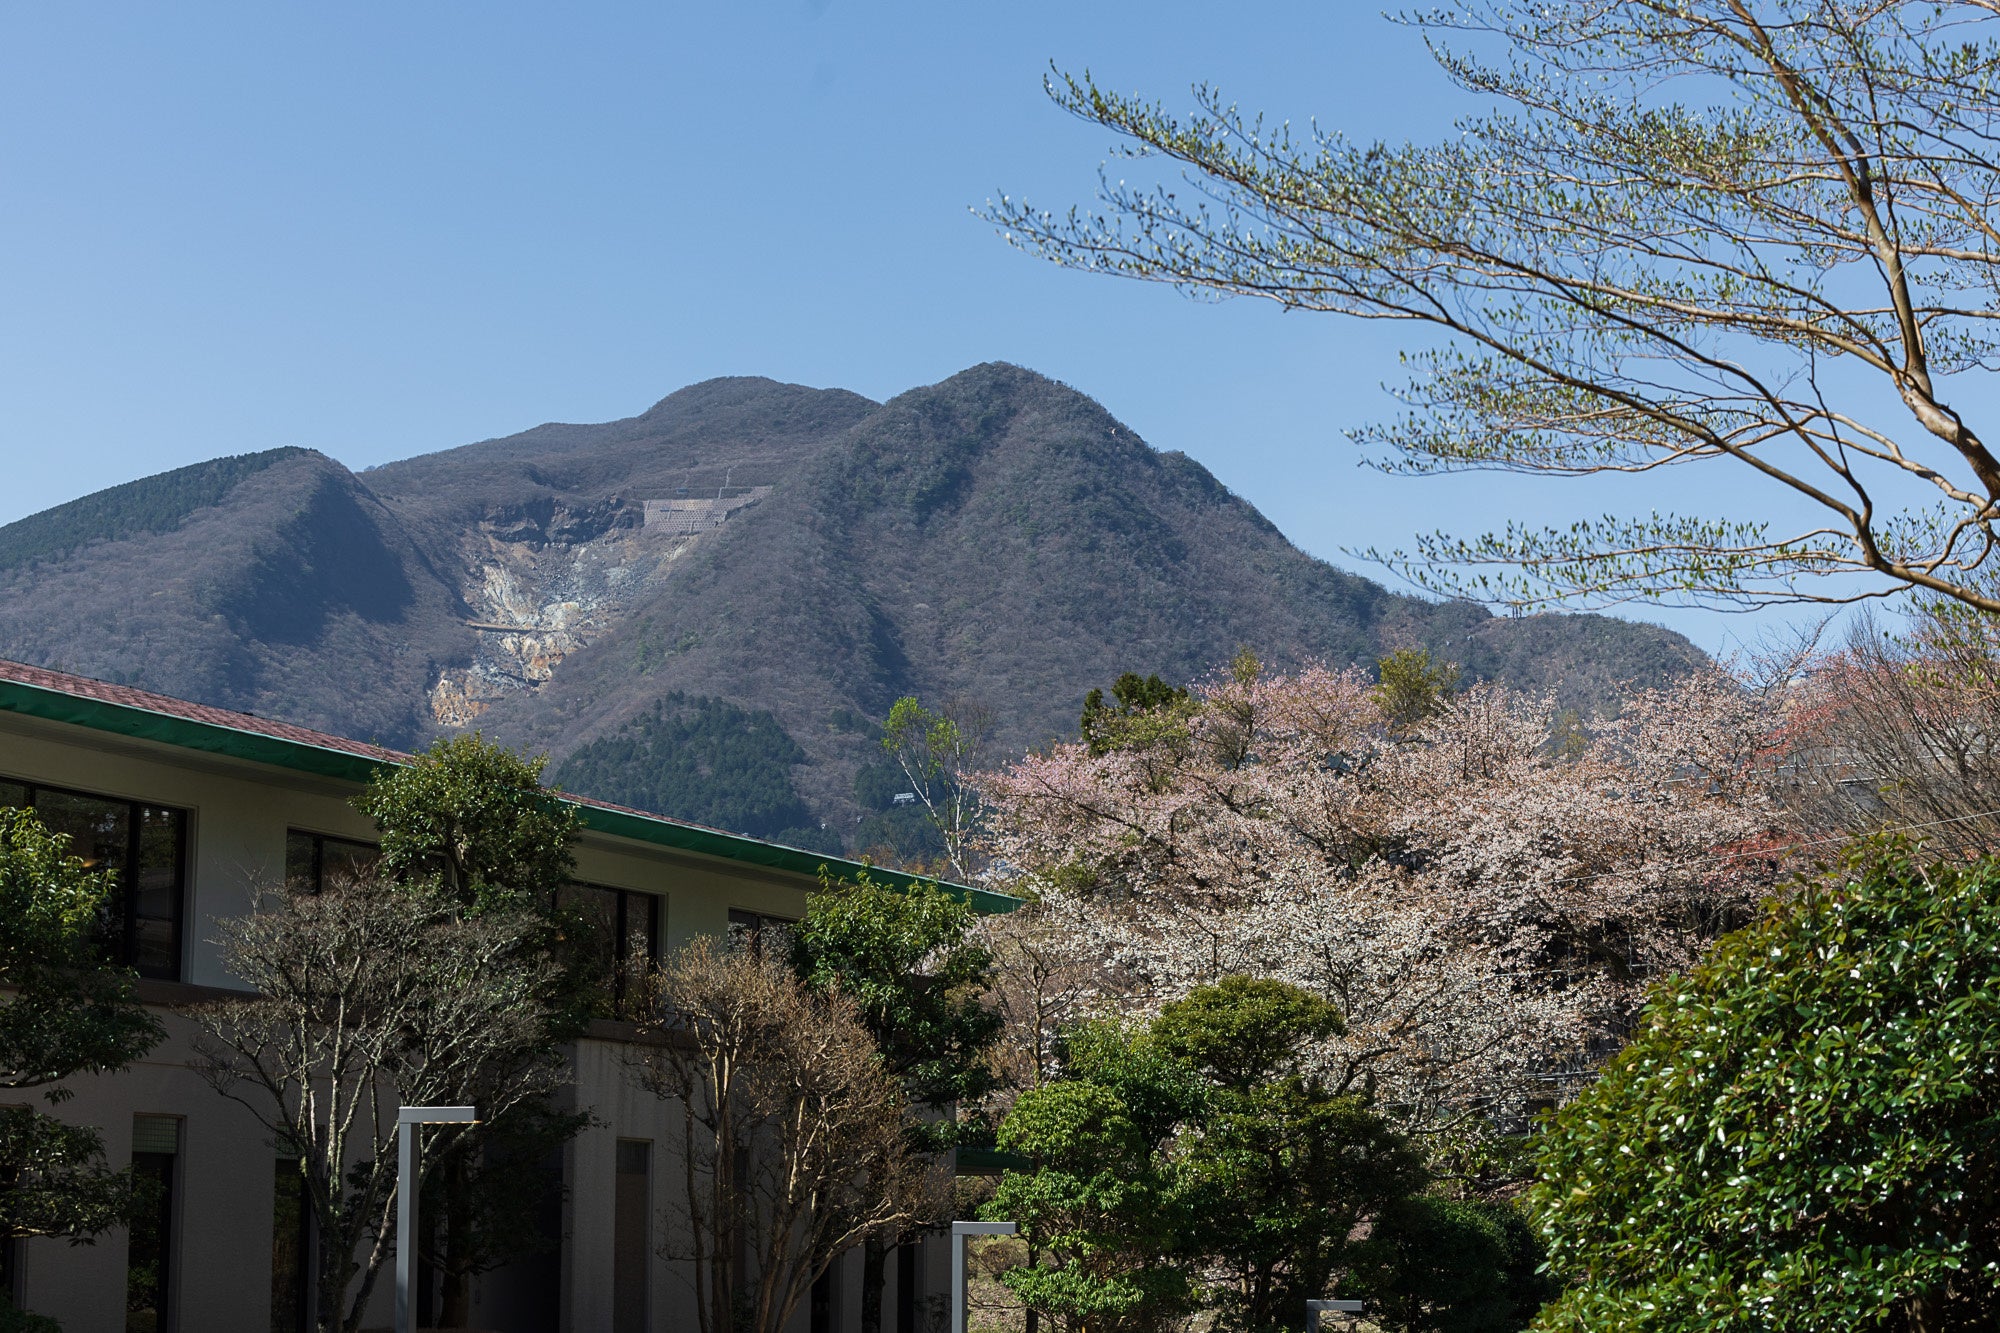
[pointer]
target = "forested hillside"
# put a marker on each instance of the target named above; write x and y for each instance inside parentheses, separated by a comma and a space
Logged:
(150, 505)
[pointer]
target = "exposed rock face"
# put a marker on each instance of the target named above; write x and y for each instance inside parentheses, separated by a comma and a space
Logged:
(540, 593)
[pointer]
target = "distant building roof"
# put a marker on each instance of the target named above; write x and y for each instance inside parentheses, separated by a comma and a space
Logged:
(57, 696)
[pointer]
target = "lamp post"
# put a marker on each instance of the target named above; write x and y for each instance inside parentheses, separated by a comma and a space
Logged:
(959, 1231)
(1314, 1309)
(408, 1119)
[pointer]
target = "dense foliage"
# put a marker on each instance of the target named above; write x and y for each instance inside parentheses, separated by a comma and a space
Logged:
(1804, 1134)
(1201, 1161)
(909, 964)
(700, 759)
(908, 961)
(137, 508)
(1135, 700)
(476, 818)
(66, 1015)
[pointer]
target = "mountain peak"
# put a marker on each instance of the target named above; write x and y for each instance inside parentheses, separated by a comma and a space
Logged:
(727, 392)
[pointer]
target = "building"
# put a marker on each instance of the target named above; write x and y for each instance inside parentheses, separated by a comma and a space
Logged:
(196, 806)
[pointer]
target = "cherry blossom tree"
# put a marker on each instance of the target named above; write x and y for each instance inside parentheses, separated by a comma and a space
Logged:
(1482, 891)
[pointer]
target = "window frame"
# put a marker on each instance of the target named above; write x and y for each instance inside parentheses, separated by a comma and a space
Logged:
(622, 930)
(125, 883)
(172, 1181)
(319, 842)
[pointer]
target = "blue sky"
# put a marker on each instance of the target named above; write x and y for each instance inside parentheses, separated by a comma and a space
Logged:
(380, 230)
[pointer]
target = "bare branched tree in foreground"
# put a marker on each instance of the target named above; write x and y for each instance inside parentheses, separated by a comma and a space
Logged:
(1753, 234)
(1901, 732)
(795, 1141)
(370, 996)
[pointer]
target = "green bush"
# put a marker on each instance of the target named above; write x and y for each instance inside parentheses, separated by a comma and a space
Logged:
(1805, 1132)
(1452, 1266)
(19, 1321)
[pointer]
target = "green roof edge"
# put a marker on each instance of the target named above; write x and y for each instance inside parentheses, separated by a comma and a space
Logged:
(303, 757)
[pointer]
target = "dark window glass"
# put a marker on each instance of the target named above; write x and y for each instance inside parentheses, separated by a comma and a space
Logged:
(822, 1302)
(619, 929)
(150, 1242)
(100, 834)
(155, 907)
(758, 932)
(642, 927)
(290, 1247)
(144, 850)
(595, 912)
(314, 860)
(631, 1240)
(906, 1287)
(301, 858)
(341, 860)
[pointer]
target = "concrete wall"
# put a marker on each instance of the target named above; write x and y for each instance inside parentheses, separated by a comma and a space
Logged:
(238, 816)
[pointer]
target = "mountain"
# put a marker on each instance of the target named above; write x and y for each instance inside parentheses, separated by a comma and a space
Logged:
(729, 589)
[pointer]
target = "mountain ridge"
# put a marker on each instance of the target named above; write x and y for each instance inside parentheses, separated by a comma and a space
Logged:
(804, 554)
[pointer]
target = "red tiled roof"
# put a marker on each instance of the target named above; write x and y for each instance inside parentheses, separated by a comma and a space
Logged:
(83, 687)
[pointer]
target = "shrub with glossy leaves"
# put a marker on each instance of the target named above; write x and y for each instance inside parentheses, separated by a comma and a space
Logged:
(1805, 1132)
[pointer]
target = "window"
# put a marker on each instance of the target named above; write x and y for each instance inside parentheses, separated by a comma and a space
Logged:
(631, 1238)
(757, 932)
(824, 1301)
(145, 849)
(623, 930)
(906, 1287)
(313, 860)
(149, 1254)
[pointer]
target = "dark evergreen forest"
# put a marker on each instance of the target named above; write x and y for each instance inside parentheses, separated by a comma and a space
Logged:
(702, 759)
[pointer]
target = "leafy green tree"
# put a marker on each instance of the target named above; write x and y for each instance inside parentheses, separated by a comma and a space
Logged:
(1761, 276)
(475, 817)
(1804, 1133)
(907, 961)
(1102, 1211)
(67, 1014)
(1438, 1265)
(1141, 708)
(938, 750)
(1281, 1169)
(1411, 687)
(1199, 1160)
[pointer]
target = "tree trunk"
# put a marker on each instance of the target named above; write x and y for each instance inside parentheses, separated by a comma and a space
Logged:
(1033, 1322)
